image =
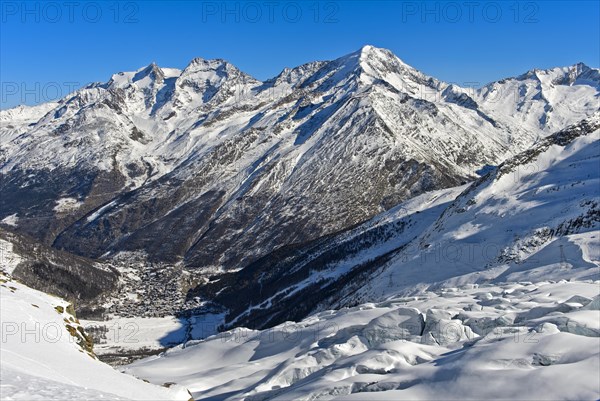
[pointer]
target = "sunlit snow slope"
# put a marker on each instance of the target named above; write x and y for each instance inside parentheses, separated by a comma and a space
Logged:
(512, 341)
(44, 354)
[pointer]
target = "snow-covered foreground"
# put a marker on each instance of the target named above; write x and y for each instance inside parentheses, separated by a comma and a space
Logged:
(44, 355)
(511, 341)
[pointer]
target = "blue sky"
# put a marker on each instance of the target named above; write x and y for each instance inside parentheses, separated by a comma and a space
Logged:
(47, 48)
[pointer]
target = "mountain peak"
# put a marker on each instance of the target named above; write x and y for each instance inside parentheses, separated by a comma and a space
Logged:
(366, 49)
(576, 74)
(369, 52)
(581, 66)
(203, 69)
(152, 71)
(207, 64)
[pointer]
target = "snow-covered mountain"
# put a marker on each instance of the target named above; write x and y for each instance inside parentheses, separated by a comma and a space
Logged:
(535, 217)
(211, 167)
(548, 99)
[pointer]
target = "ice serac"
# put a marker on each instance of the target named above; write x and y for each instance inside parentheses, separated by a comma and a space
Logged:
(385, 351)
(213, 168)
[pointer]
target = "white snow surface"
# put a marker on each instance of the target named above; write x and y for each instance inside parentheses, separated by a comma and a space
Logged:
(40, 360)
(65, 205)
(11, 220)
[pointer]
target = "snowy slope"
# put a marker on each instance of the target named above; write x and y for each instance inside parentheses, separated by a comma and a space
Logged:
(536, 216)
(49, 270)
(45, 356)
(18, 120)
(545, 99)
